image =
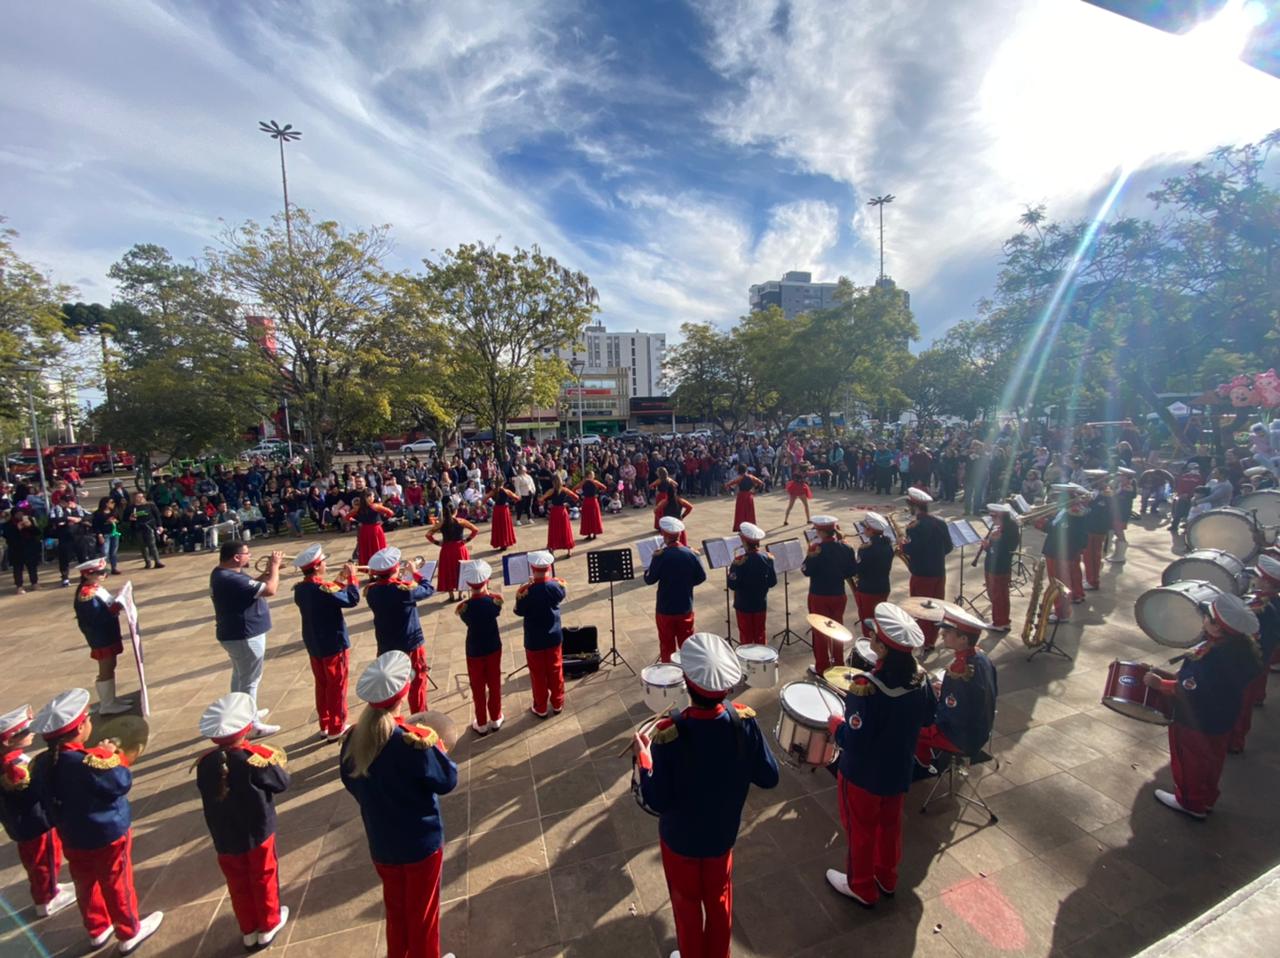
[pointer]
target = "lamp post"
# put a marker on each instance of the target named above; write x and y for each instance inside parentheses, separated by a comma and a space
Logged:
(577, 366)
(31, 372)
(282, 134)
(881, 202)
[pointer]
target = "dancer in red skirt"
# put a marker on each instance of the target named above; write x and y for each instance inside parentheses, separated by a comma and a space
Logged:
(454, 534)
(744, 506)
(798, 488)
(368, 518)
(502, 535)
(559, 530)
(669, 503)
(592, 523)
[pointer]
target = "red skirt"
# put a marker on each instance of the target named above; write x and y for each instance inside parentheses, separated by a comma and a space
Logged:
(559, 530)
(592, 523)
(452, 553)
(744, 509)
(369, 539)
(799, 489)
(503, 533)
(657, 511)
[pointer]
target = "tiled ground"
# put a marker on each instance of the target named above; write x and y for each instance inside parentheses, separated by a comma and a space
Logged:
(548, 855)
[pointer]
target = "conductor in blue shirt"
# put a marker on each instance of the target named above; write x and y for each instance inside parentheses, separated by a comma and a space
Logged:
(696, 770)
(243, 619)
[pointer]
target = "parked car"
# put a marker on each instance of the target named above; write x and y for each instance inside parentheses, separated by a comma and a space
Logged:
(589, 439)
(267, 449)
(419, 445)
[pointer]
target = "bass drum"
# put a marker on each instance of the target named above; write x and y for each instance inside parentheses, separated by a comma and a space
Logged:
(1265, 504)
(1208, 565)
(1171, 614)
(1229, 529)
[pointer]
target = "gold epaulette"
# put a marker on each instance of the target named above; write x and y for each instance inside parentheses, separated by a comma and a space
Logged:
(404, 586)
(522, 591)
(862, 686)
(815, 548)
(664, 733)
(461, 606)
(744, 711)
(563, 583)
(419, 736)
(260, 756)
(332, 587)
(739, 560)
(962, 675)
(497, 599)
(101, 759)
(15, 778)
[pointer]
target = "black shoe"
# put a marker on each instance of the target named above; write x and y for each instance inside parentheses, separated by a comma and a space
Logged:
(159, 565)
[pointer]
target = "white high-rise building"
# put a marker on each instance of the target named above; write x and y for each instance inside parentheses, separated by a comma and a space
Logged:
(639, 354)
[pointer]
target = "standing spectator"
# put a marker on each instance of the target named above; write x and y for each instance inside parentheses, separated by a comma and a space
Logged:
(144, 518)
(25, 540)
(243, 619)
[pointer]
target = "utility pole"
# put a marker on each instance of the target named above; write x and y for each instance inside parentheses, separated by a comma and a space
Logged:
(282, 134)
(881, 202)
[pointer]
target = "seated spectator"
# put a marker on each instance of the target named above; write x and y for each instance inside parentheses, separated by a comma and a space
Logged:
(251, 517)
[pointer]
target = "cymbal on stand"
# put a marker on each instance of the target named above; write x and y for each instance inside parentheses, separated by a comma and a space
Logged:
(828, 627)
(925, 608)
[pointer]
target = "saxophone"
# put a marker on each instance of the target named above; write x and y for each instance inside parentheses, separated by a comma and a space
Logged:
(1043, 596)
(899, 539)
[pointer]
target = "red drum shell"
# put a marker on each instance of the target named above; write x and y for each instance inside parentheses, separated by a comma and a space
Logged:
(1125, 693)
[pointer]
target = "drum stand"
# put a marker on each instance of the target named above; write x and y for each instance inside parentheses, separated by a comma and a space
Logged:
(789, 635)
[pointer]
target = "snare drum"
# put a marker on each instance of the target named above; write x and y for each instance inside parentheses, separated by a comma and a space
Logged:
(645, 729)
(759, 665)
(863, 656)
(1208, 565)
(1228, 529)
(1171, 614)
(663, 687)
(1264, 505)
(802, 724)
(1125, 693)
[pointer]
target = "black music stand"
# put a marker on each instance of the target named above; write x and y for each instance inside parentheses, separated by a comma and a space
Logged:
(789, 635)
(728, 609)
(611, 565)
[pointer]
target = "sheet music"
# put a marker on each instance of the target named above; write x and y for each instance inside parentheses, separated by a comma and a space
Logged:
(428, 570)
(788, 555)
(720, 552)
(646, 548)
(811, 536)
(962, 534)
(515, 569)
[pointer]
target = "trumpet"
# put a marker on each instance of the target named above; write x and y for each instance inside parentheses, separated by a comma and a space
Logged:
(264, 562)
(407, 566)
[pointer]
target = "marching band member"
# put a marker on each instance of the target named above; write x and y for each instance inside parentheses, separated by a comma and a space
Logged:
(238, 783)
(538, 603)
(829, 565)
(324, 633)
(798, 489)
(676, 569)
(997, 562)
(669, 503)
(24, 812)
(1122, 508)
(368, 516)
(559, 529)
(591, 522)
(86, 791)
(1098, 522)
(967, 696)
(98, 615)
(395, 771)
(1207, 693)
(479, 612)
(875, 559)
(883, 714)
(1065, 537)
(396, 626)
(454, 535)
(1266, 606)
(744, 504)
(751, 576)
(502, 534)
(696, 771)
(926, 543)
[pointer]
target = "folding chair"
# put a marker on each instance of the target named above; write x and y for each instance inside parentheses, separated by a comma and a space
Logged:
(959, 764)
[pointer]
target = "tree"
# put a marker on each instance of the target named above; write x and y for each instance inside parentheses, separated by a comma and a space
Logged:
(710, 374)
(503, 317)
(318, 315)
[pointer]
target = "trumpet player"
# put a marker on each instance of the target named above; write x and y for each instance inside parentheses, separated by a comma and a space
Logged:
(243, 619)
(829, 564)
(997, 563)
(926, 543)
(324, 633)
(395, 617)
(875, 559)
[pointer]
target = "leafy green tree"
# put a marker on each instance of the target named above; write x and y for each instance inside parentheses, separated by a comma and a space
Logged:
(711, 376)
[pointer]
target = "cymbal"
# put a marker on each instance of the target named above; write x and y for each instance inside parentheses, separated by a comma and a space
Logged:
(440, 723)
(129, 732)
(841, 677)
(828, 627)
(924, 608)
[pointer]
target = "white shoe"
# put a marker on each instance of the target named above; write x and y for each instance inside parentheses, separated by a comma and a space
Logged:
(64, 897)
(262, 713)
(497, 723)
(1090, 588)
(478, 728)
(338, 737)
(145, 930)
(262, 728)
(1169, 800)
(840, 882)
(97, 941)
(540, 715)
(266, 937)
(1053, 618)
(251, 940)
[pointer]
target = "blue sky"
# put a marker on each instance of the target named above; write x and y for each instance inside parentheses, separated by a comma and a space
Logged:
(675, 151)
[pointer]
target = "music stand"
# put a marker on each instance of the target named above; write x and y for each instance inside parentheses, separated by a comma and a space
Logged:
(611, 565)
(714, 556)
(788, 634)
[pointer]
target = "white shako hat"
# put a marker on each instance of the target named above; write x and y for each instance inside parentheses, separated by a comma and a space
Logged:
(62, 715)
(385, 560)
(824, 522)
(876, 521)
(996, 508)
(309, 556)
(14, 722)
(385, 679)
(954, 617)
(916, 494)
(93, 565)
(477, 573)
(1254, 471)
(540, 559)
(1126, 471)
(710, 666)
(1096, 474)
(1231, 613)
(1268, 567)
(670, 525)
(896, 628)
(228, 716)
(751, 532)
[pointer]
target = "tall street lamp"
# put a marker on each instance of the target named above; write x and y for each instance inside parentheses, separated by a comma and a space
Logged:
(881, 202)
(578, 366)
(282, 134)
(32, 372)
